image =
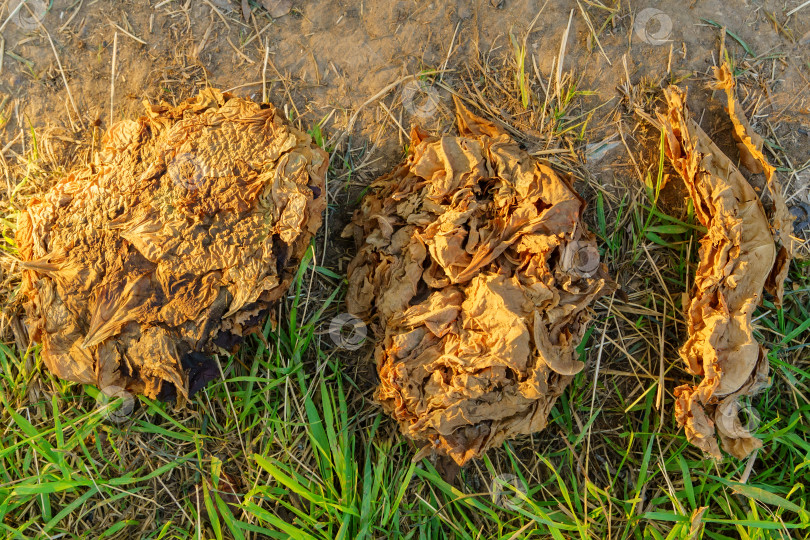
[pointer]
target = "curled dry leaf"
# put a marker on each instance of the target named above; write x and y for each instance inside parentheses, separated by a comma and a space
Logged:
(188, 225)
(473, 259)
(749, 144)
(738, 260)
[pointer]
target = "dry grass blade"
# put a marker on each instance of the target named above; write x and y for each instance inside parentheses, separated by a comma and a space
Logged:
(61, 72)
(593, 32)
(560, 60)
(112, 78)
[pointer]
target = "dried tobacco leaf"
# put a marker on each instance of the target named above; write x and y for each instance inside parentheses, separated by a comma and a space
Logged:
(738, 259)
(749, 144)
(189, 224)
(474, 261)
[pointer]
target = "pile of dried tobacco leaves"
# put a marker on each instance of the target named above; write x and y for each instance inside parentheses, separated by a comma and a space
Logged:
(188, 225)
(473, 263)
(479, 272)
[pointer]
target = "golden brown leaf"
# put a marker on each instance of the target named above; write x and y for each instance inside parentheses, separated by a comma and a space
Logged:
(474, 261)
(189, 224)
(738, 256)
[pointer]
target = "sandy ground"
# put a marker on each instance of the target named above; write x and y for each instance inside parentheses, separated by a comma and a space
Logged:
(327, 58)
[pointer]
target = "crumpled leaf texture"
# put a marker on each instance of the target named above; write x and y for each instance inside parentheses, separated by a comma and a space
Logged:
(738, 260)
(188, 225)
(474, 262)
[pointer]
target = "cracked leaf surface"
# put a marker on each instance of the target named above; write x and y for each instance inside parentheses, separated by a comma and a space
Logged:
(739, 258)
(464, 264)
(187, 226)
